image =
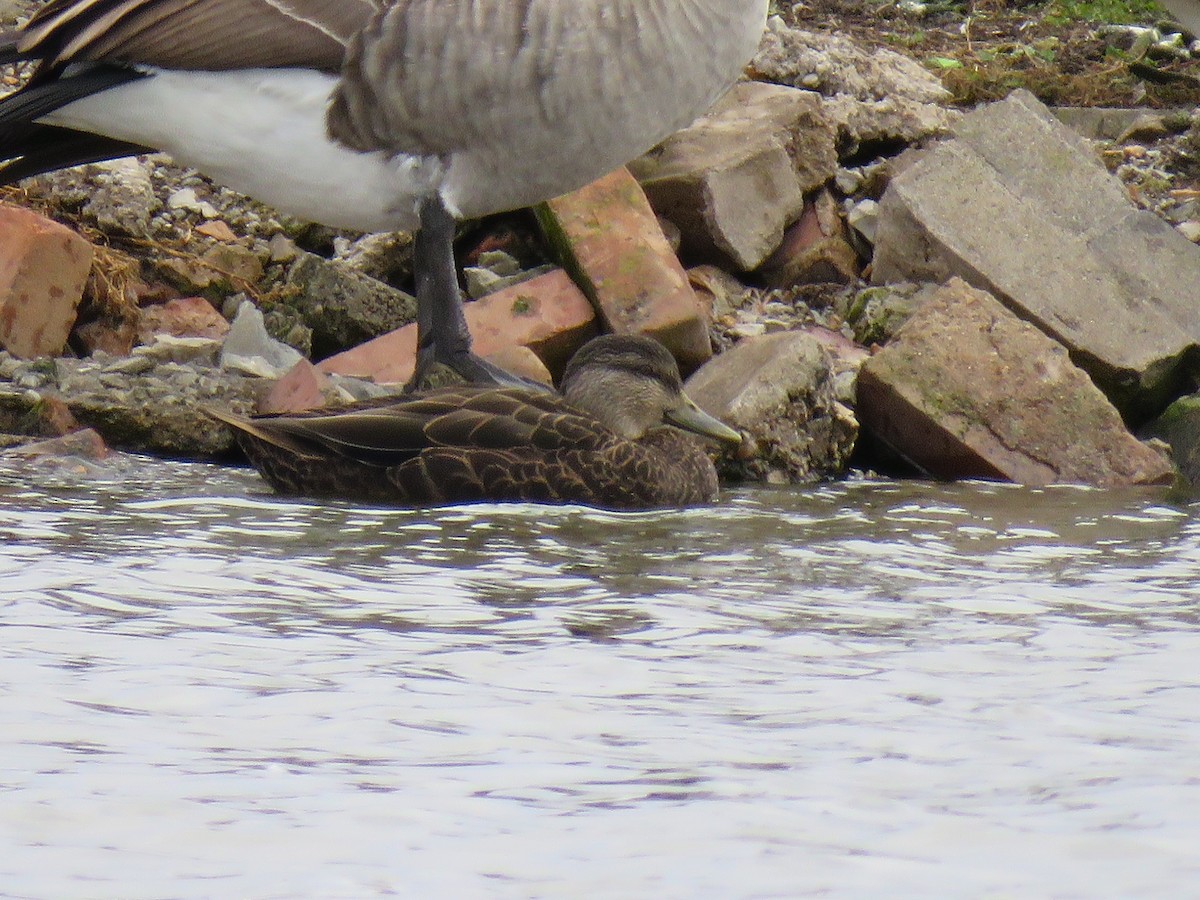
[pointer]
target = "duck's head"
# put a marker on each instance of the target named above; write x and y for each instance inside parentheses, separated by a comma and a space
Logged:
(632, 384)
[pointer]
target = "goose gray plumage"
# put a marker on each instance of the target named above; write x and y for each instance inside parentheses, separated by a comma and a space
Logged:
(375, 114)
(606, 441)
(1187, 12)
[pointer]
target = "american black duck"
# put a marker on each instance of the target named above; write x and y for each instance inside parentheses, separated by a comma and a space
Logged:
(375, 115)
(607, 440)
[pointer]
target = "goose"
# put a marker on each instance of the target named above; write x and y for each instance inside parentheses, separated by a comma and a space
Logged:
(1186, 12)
(606, 441)
(375, 115)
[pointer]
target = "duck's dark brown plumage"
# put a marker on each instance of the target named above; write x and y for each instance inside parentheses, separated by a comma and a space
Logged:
(605, 443)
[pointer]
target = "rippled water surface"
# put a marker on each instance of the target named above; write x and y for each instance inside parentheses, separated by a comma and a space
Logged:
(866, 689)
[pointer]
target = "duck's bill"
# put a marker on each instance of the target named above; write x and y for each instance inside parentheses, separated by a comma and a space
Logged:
(688, 416)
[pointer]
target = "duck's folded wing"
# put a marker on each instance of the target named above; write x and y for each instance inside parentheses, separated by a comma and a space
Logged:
(513, 419)
(464, 419)
(375, 437)
(197, 34)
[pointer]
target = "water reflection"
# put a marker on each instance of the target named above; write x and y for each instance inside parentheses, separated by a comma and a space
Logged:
(856, 688)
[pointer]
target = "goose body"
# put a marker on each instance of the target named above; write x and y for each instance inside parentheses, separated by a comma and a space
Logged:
(1186, 11)
(375, 114)
(349, 112)
(261, 132)
(606, 441)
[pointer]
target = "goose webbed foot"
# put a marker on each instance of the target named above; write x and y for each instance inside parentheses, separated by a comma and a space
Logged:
(437, 368)
(443, 340)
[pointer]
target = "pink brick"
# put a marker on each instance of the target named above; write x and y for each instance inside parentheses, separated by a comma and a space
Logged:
(83, 444)
(43, 270)
(99, 334)
(521, 361)
(608, 235)
(303, 387)
(548, 314)
(184, 317)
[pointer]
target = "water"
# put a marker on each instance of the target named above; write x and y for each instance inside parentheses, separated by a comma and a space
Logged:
(866, 689)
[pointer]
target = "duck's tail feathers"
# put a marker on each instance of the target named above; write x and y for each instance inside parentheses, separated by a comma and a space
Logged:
(256, 430)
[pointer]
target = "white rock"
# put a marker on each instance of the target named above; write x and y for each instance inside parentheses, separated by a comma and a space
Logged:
(186, 199)
(249, 349)
(1190, 230)
(863, 217)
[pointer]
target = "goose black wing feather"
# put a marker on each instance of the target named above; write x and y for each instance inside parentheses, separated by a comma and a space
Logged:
(28, 147)
(45, 148)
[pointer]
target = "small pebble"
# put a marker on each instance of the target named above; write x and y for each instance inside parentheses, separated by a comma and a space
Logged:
(1190, 230)
(748, 329)
(281, 248)
(131, 365)
(848, 181)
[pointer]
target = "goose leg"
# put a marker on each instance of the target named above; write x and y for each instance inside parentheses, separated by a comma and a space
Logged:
(442, 335)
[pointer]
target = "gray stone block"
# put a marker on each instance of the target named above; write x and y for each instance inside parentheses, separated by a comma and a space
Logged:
(1016, 204)
(968, 390)
(734, 180)
(343, 307)
(779, 390)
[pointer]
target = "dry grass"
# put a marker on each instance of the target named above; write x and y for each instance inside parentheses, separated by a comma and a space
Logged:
(985, 49)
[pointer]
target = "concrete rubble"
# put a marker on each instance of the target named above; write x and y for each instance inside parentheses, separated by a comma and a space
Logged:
(870, 95)
(342, 306)
(1021, 316)
(736, 179)
(149, 402)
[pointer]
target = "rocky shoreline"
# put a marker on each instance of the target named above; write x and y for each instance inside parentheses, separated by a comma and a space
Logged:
(852, 273)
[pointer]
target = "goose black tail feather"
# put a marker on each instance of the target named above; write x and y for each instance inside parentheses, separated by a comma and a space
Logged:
(9, 54)
(48, 149)
(28, 147)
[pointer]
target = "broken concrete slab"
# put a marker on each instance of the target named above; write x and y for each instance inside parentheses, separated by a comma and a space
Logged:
(548, 314)
(872, 95)
(736, 178)
(43, 269)
(342, 306)
(1018, 205)
(156, 409)
(837, 64)
(779, 390)
(1179, 426)
(968, 390)
(607, 236)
